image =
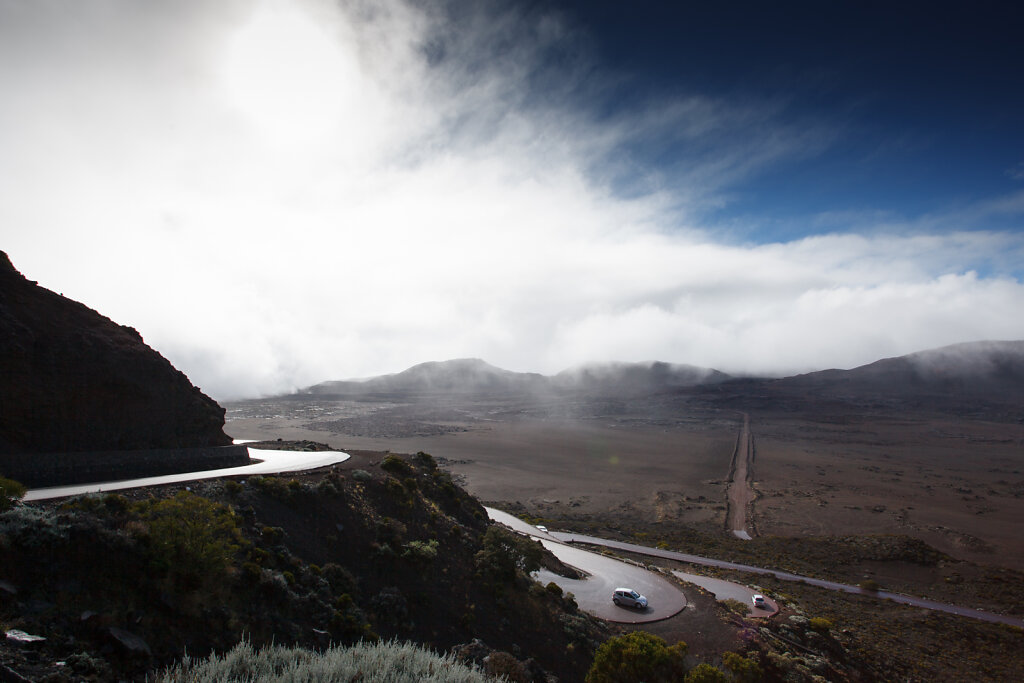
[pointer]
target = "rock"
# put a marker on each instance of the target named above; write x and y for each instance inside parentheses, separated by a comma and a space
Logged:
(23, 639)
(130, 643)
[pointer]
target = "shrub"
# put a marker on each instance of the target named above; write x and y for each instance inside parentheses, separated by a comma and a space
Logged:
(361, 475)
(869, 585)
(735, 606)
(340, 578)
(637, 656)
(504, 552)
(191, 534)
(705, 673)
(10, 492)
(820, 624)
(554, 588)
(422, 551)
(232, 487)
(395, 465)
(743, 670)
(369, 663)
(425, 460)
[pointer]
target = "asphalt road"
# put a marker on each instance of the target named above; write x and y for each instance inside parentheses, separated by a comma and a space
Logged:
(604, 574)
(270, 462)
(725, 590)
(786, 576)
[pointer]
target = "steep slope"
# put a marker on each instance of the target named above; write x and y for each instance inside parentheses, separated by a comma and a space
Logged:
(73, 380)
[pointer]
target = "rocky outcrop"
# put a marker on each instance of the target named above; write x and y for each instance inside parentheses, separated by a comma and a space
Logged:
(72, 380)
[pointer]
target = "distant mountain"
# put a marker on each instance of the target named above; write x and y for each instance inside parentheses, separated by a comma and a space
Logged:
(971, 378)
(635, 378)
(74, 380)
(472, 376)
(978, 368)
(462, 376)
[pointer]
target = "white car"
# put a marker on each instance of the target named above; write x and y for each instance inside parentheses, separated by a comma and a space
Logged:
(542, 528)
(627, 597)
(759, 602)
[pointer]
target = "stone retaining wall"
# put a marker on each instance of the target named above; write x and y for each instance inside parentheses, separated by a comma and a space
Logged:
(37, 470)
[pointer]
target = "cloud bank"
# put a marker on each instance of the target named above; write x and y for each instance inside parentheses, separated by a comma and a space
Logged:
(281, 193)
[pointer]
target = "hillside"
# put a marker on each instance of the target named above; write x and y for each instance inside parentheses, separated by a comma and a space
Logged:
(120, 586)
(73, 380)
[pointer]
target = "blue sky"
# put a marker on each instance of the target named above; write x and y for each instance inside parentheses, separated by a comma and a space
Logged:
(281, 192)
(919, 106)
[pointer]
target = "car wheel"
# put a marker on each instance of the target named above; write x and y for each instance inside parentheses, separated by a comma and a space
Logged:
(616, 601)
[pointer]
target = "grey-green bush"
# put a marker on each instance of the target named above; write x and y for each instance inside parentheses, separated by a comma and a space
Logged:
(369, 663)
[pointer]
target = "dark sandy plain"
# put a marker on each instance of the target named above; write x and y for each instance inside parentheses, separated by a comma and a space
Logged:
(577, 457)
(819, 468)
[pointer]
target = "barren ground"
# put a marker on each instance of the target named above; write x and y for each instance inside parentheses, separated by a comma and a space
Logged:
(955, 483)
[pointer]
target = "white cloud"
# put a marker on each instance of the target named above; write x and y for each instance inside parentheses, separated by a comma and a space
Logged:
(277, 194)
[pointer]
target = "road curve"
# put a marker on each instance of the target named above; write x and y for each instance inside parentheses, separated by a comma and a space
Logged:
(787, 576)
(269, 462)
(604, 574)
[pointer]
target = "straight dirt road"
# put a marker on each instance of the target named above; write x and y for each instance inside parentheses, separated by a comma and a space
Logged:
(740, 494)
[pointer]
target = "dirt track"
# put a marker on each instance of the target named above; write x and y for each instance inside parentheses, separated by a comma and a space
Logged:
(740, 494)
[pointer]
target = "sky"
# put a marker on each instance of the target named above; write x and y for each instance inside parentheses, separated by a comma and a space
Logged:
(278, 193)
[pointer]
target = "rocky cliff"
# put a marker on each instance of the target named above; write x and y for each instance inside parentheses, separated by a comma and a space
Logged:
(72, 380)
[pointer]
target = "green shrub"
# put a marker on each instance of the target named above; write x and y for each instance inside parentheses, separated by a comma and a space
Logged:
(425, 460)
(869, 585)
(743, 670)
(395, 465)
(11, 491)
(191, 534)
(554, 588)
(232, 487)
(368, 663)
(422, 551)
(637, 656)
(361, 475)
(506, 552)
(820, 624)
(735, 606)
(705, 673)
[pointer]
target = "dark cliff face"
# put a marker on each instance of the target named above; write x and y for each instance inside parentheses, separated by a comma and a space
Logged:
(73, 380)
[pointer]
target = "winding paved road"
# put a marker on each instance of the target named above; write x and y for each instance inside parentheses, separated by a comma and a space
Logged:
(593, 594)
(787, 576)
(268, 462)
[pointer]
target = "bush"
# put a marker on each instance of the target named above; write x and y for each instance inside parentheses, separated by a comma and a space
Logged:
(191, 534)
(422, 551)
(554, 588)
(425, 460)
(395, 465)
(10, 492)
(735, 606)
(869, 585)
(506, 552)
(705, 673)
(369, 663)
(743, 670)
(361, 475)
(637, 656)
(820, 624)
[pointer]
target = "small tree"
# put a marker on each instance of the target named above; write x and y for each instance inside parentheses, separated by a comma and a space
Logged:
(10, 491)
(637, 656)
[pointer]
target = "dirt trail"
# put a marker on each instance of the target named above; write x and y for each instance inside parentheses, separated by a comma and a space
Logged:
(740, 494)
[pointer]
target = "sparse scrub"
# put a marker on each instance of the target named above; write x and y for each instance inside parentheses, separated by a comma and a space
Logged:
(392, 662)
(11, 491)
(705, 673)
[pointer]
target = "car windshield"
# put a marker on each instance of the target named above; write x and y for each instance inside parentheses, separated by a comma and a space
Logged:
(634, 594)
